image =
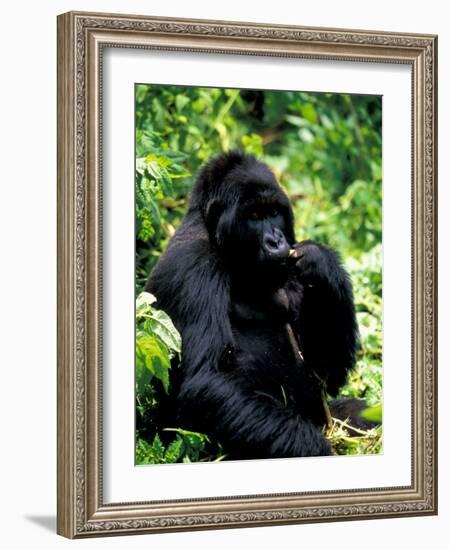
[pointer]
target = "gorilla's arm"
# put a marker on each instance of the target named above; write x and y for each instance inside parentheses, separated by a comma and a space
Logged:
(325, 318)
(249, 425)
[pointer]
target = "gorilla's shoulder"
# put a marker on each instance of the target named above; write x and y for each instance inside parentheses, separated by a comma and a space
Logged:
(191, 238)
(186, 267)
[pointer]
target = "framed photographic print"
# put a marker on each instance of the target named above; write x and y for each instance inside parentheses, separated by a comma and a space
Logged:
(246, 274)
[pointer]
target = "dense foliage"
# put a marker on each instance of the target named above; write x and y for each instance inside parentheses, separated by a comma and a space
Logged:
(325, 150)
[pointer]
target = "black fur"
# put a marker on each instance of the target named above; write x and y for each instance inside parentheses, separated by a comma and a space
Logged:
(244, 379)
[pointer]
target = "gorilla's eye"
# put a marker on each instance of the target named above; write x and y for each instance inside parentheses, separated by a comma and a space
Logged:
(274, 212)
(254, 214)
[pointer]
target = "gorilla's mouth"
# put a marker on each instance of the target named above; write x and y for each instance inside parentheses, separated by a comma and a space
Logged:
(275, 245)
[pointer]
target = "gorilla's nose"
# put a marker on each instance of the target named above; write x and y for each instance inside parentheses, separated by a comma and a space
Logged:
(275, 244)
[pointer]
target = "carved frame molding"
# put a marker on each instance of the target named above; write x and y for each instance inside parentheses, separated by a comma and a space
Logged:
(81, 39)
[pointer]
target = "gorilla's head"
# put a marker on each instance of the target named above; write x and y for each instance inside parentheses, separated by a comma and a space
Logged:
(248, 216)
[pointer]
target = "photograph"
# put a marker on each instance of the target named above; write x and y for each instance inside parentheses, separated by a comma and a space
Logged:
(258, 274)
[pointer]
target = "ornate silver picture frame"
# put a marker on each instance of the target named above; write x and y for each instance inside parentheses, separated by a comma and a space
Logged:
(82, 510)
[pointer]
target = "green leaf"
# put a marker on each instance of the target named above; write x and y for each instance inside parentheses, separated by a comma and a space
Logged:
(140, 166)
(143, 376)
(157, 448)
(152, 167)
(152, 354)
(253, 144)
(144, 301)
(309, 113)
(154, 215)
(181, 101)
(306, 135)
(373, 414)
(165, 182)
(175, 450)
(143, 451)
(296, 120)
(161, 324)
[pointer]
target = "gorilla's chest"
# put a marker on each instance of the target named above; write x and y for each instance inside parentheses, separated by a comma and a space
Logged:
(264, 353)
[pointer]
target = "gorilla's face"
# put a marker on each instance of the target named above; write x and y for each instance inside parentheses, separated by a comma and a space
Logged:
(248, 216)
(262, 232)
(255, 232)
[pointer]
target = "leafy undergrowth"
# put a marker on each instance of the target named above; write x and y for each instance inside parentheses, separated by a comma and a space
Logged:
(347, 440)
(186, 447)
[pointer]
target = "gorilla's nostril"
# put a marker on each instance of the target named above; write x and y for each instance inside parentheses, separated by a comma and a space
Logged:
(277, 234)
(271, 242)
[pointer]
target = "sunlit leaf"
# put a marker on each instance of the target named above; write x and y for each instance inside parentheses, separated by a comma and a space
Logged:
(153, 355)
(374, 414)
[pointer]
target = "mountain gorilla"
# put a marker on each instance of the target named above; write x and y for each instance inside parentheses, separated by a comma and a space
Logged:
(267, 324)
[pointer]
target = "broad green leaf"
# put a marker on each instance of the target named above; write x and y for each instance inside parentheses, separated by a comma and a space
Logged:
(373, 414)
(309, 113)
(143, 375)
(152, 354)
(296, 120)
(144, 301)
(165, 182)
(190, 436)
(140, 166)
(181, 101)
(161, 324)
(306, 135)
(157, 170)
(152, 167)
(160, 160)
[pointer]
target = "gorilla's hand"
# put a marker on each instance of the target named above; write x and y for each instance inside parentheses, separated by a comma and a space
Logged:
(316, 264)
